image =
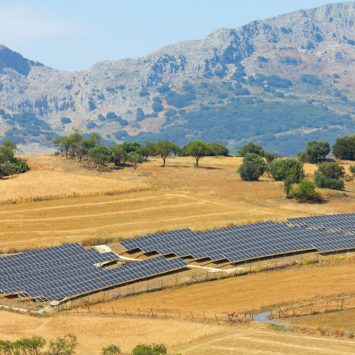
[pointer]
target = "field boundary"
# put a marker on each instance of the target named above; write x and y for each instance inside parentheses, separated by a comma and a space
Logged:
(313, 307)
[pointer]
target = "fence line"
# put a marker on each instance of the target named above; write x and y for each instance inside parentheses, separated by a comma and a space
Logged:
(315, 307)
(164, 314)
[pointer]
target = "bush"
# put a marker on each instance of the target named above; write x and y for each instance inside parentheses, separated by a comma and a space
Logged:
(326, 182)
(100, 155)
(110, 350)
(19, 165)
(63, 345)
(252, 168)
(352, 169)
(154, 349)
(292, 169)
(344, 148)
(250, 148)
(306, 192)
(328, 176)
(331, 170)
(315, 152)
(218, 149)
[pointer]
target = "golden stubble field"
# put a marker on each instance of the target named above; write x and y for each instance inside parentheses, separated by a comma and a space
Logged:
(58, 201)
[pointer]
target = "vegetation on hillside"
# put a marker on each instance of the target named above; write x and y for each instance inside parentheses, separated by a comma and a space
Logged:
(9, 164)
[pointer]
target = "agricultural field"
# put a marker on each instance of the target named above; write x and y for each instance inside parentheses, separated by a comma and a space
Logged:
(343, 320)
(252, 292)
(58, 201)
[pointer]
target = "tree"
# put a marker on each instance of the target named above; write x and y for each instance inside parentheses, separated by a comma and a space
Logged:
(154, 349)
(250, 148)
(6, 154)
(315, 152)
(130, 147)
(288, 186)
(197, 149)
(252, 168)
(164, 148)
(147, 150)
(281, 169)
(111, 350)
(118, 154)
(88, 143)
(344, 148)
(134, 158)
(218, 149)
(306, 192)
(270, 156)
(63, 345)
(329, 176)
(100, 155)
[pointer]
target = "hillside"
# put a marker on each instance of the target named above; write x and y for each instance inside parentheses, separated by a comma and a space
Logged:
(280, 82)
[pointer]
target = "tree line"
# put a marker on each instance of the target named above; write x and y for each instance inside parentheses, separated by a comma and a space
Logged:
(329, 174)
(82, 147)
(67, 345)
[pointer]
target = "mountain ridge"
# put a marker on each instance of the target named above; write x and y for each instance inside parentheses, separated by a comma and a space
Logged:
(304, 59)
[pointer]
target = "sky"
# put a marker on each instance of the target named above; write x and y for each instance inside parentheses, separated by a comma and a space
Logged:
(75, 34)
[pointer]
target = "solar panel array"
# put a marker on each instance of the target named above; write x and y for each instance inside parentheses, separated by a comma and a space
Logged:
(69, 270)
(253, 241)
(344, 223)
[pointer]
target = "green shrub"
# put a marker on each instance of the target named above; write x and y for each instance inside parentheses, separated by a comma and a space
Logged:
(63, 345)
(344, 148)
(250, 148)
(252, 168)
(323, 181)
(352, 169)
(331, 170)
(292, 169)
(19, 165)
(306, 192)
(154, 349)
(315, 152)
(111, 350)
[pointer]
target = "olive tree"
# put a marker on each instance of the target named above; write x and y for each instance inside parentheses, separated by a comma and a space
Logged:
(252, 168)
(197, 149)
(164, 148)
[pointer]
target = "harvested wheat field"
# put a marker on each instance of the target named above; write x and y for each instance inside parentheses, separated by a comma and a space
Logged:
(95, 331)
(344, 320)
(125, 203)
(180, 336)
(266, 342)
(247, 293)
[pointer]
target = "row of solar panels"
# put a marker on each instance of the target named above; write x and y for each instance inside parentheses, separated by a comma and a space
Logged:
(344, 223)
(254, 241)
(66, 271)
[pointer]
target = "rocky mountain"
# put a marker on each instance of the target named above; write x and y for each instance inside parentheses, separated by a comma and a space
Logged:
(279, 82)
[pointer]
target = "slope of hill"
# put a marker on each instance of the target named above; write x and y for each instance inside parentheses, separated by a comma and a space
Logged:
(280, 82)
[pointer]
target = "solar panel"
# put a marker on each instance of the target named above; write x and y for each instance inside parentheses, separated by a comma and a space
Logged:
(253, 241)
(69, 270)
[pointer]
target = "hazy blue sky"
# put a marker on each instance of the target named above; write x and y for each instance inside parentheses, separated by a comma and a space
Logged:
(74, 34)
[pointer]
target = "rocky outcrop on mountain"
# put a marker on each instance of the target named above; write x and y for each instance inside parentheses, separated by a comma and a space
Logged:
(280, 82)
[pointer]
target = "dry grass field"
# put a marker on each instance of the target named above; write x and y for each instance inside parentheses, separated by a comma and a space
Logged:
(180, 336)
(246, 293)
(344, 320)
(95, 331)
(124, 203)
